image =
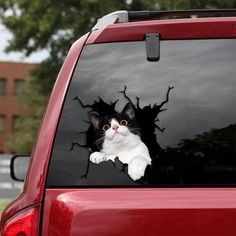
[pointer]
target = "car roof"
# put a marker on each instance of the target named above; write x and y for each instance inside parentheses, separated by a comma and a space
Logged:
(131, 26)
(130, 16)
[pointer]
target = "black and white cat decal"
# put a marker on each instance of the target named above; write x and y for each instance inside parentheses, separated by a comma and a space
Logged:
(118, 136)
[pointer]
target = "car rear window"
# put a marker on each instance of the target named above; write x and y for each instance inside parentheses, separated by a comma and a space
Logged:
(181, 110)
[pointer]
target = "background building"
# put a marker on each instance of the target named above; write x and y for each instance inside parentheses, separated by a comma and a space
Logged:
(12, 75)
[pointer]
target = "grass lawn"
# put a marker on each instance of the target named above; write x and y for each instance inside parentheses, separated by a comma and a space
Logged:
(3, 205)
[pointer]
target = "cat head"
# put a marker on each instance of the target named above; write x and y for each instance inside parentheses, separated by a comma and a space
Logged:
(116, 127)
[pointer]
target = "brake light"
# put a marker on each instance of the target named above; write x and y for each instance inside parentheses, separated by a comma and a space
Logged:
(23, 224)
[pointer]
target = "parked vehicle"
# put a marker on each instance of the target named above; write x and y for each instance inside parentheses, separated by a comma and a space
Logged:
(139, 137)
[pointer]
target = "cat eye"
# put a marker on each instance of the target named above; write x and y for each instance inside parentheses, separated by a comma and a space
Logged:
(105, 127)
(124, 122)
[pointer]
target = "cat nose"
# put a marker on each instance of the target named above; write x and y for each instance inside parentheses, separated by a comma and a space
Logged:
(115, 127)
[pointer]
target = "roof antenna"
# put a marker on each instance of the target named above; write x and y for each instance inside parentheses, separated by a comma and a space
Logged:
(152, 47)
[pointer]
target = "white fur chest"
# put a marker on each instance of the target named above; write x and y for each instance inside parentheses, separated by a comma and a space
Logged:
(127, 150)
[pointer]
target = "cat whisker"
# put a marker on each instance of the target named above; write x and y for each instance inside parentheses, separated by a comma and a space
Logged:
(98, 144)
(133, 127)
(100, 138)
(98, 141)
(134, 130)
(100, 132)
(132, 124)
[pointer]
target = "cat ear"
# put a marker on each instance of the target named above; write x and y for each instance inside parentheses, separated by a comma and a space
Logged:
(129, 110)
(95, 119)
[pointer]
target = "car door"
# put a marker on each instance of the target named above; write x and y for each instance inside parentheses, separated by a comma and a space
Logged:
(184, 110)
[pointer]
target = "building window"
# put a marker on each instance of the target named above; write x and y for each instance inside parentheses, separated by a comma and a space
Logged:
(3, 86)
(15, 123)
(2, 123)
(17, 86)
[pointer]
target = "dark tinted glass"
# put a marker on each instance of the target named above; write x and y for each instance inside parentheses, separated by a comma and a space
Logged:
(184, 107)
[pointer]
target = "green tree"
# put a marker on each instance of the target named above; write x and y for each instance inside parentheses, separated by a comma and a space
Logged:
(26, 127)
(54, 25)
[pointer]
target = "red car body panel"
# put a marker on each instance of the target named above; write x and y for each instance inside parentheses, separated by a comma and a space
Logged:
(168, 29)
(35, 182)
(140, 211)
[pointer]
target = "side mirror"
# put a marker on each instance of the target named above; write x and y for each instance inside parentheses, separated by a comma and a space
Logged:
(19, 167)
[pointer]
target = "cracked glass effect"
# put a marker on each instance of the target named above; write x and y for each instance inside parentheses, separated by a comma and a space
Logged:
(146, 118)
(184, 106)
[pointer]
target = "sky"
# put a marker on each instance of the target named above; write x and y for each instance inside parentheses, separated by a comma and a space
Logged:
(17, 57)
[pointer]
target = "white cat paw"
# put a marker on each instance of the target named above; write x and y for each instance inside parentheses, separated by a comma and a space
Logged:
(111, 157)
(136, 168)
(97, 157)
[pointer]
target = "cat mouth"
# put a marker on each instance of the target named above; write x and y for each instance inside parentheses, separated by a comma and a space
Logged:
(117, 134)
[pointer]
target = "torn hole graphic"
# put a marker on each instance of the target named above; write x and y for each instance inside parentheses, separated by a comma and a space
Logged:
(127, 137)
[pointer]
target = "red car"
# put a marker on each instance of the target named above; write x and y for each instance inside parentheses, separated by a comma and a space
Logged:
(139, 137)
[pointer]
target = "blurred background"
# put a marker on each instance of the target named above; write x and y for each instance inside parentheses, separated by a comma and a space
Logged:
(35, 36)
